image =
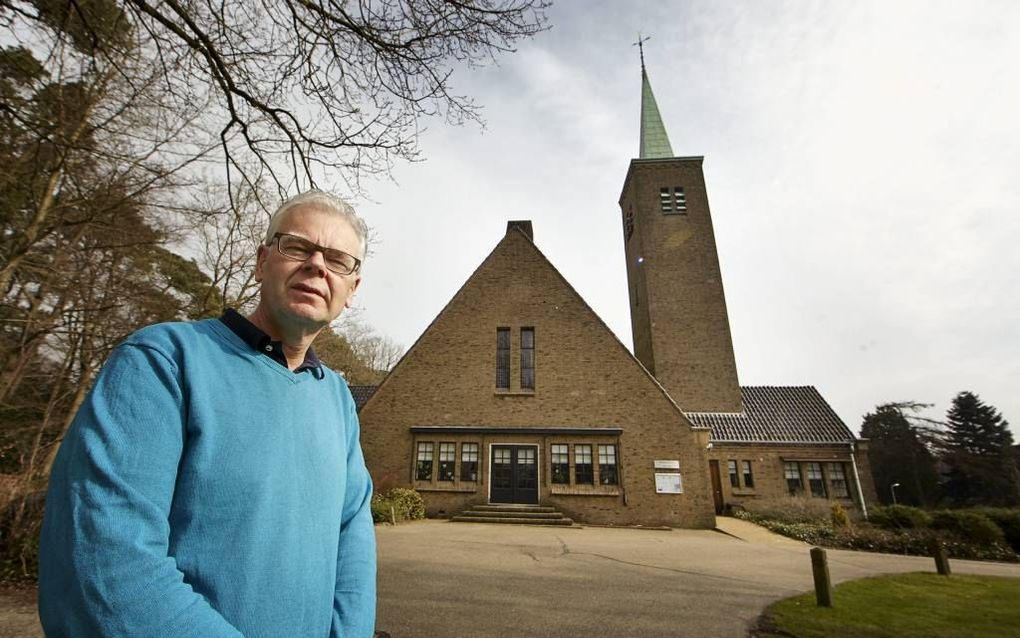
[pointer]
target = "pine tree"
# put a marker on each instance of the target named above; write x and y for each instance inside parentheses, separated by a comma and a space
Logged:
(978, 455)
(899, 454)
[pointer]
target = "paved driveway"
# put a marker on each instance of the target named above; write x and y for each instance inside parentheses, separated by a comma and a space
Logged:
(453, 580)
(465, 579)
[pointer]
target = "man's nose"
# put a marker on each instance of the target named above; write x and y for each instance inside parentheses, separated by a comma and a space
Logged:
(317, 261)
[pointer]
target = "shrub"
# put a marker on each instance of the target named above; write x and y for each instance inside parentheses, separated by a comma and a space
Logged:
(840, 519)
(789, 509)
(968, 525)
(1008, 521)
(899, 517)
(401, 503)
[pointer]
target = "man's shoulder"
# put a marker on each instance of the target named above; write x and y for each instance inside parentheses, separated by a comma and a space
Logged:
(172, 336)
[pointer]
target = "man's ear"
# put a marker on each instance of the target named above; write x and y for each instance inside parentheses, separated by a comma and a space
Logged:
(350, 294)
(260, 258)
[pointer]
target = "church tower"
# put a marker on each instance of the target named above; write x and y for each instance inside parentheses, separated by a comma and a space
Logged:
(677, 306)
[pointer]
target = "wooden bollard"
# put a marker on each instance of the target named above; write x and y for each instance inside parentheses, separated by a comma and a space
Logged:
(938, 552)
(820, 569)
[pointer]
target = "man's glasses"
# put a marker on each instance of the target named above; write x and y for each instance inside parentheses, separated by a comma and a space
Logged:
(300, 249)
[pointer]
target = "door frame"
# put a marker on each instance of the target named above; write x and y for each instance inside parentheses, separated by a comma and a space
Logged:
(538, 470)
(717, 495)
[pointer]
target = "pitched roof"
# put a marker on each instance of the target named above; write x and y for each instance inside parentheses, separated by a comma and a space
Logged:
(777, 414)
(362, 393)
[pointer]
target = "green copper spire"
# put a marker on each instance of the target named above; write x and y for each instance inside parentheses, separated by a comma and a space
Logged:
(654, 141)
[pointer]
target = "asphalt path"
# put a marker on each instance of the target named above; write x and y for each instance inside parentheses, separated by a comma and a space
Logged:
(449, 580)
(438, 578)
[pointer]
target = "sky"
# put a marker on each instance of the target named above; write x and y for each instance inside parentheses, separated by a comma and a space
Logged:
(862, 161)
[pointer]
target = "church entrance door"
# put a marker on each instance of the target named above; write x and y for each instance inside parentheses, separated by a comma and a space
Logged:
(514, 474)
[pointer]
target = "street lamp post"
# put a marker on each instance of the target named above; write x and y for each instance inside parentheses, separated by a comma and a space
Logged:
(893, 488)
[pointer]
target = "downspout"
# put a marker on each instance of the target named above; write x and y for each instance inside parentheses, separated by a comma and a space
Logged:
(619, 461)
(857, 482)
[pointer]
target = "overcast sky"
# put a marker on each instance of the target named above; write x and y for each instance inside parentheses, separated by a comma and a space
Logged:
(862, 161)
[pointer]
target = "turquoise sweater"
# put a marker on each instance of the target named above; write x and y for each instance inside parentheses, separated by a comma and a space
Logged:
(205, 490)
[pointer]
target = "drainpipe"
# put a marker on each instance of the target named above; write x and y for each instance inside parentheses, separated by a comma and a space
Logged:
(857, 481)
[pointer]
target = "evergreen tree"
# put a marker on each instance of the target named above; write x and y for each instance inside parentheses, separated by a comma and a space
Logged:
(978, 455)
(899, 453)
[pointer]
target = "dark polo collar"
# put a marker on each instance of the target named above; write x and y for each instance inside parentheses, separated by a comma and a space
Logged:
(260, 341)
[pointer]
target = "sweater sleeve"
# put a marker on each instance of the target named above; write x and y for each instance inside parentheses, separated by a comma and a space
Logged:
(105, 568)
(354, 596)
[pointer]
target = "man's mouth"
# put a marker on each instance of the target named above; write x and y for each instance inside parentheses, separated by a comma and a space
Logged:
(308, 289)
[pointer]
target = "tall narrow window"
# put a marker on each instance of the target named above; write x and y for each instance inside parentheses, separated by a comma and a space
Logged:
(628, 223)
(815, 479)
(665, 200)
(502, 358)
(679, 200)
(527, 358)
(469, 462)
(447, 461)
(837, 480)
(423, 468)
(583, 473)
(748, 476)
(734, 476)
(792, 472)
(607, 465)
(560, 464)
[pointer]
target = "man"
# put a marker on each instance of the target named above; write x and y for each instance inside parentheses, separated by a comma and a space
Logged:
(212, 483)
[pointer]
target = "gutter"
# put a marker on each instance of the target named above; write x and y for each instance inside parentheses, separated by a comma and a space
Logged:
(857, 481)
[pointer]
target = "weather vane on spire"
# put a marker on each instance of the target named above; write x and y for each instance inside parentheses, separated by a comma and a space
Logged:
(641, 48)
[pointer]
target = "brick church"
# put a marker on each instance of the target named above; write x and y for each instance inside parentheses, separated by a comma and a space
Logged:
(518, 393)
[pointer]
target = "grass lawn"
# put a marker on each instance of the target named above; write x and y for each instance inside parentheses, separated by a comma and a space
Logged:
(905, 605)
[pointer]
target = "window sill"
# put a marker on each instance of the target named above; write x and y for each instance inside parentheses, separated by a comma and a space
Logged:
(422, 486)
(744, 491)
(515, 393)
(584, 490)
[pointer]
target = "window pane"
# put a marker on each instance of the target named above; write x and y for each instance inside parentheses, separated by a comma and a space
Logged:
(528, 358)
(469, 462)
(748, 476)
(503, 358)
(583, 471)
(607, 465)
(837, 481)
(447, 461)
(734, 478)
(815, 482)
(560, 470)
(423, 467)
(791, 470)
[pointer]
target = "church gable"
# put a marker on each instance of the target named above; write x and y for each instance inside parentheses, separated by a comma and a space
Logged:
(516, 345)
(518, 393)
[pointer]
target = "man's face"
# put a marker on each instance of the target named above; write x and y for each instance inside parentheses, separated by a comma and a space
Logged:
(305, 295)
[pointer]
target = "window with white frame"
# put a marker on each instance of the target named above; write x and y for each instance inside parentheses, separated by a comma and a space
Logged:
(791, 470)
(560, 458)
(837, 480)
(447, 461)
(584, 473)
(816, 481)
(607, 465)
(748, 474)
(469, 461)
(731, 466)
(423, 465)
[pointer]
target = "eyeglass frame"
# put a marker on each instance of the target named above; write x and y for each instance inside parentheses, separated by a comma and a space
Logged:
(317, 248)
